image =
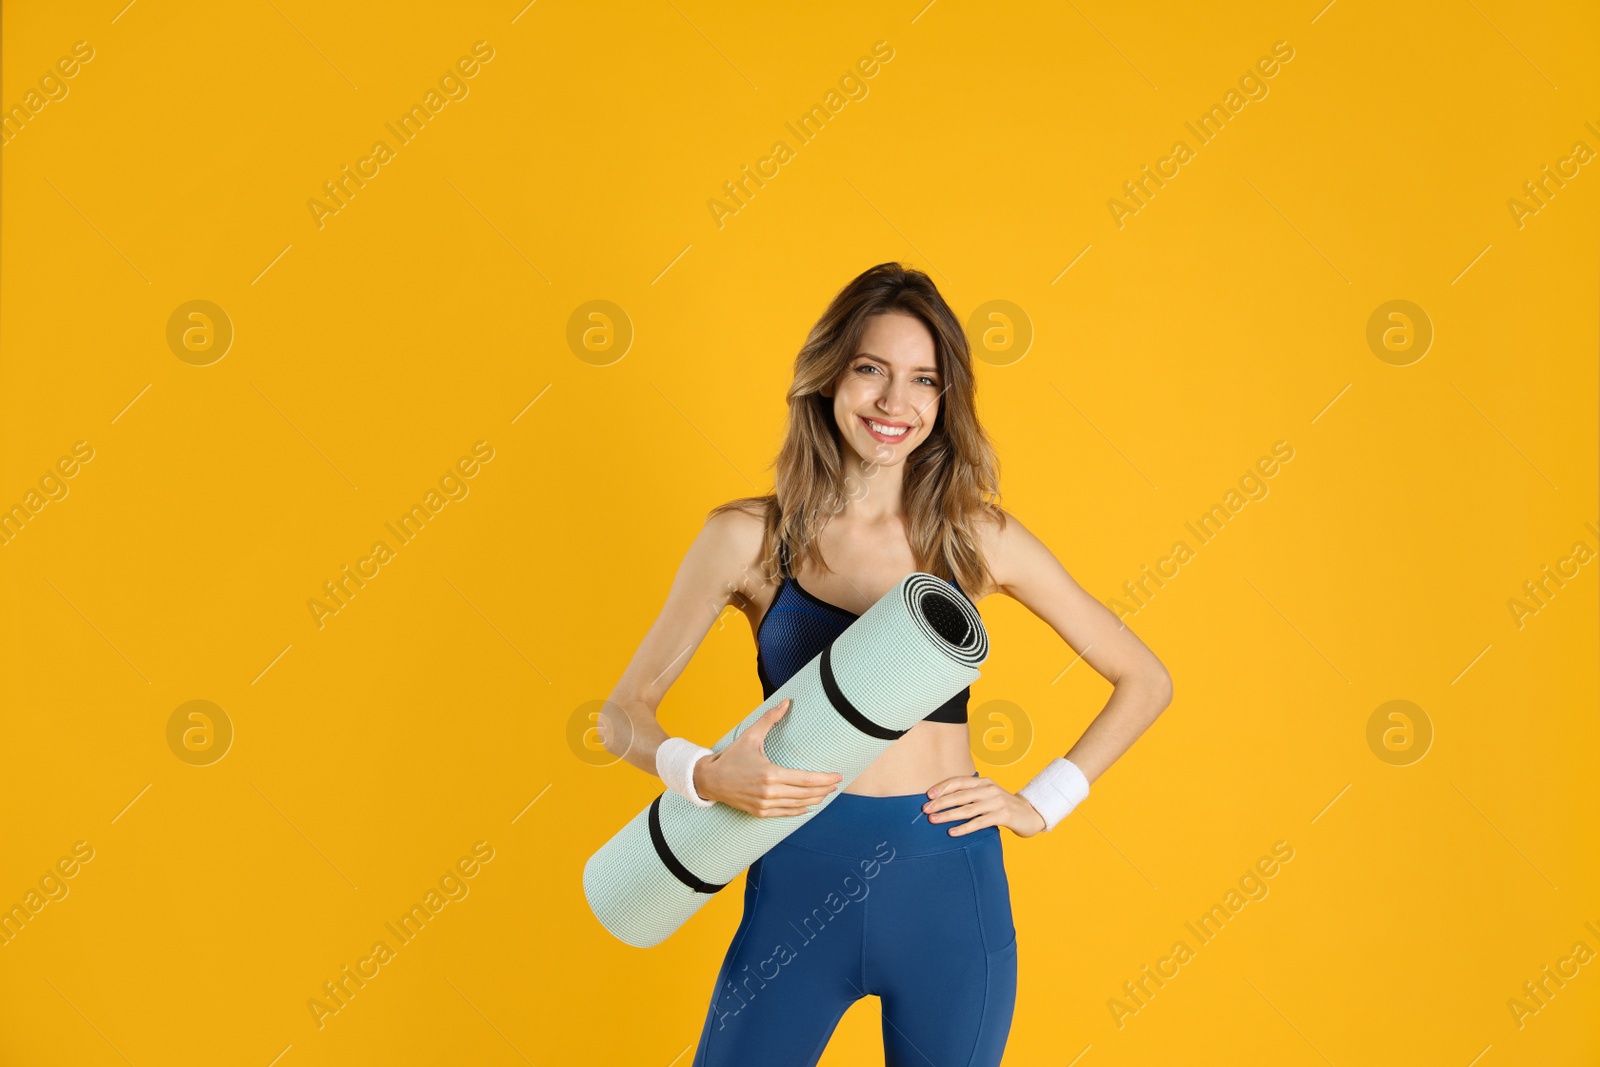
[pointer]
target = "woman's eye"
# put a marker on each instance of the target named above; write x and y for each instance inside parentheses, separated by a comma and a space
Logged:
(873, 367)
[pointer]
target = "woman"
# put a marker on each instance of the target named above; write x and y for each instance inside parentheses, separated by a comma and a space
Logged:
(897, 887)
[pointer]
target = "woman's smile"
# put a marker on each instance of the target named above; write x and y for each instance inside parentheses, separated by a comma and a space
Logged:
(888, 432)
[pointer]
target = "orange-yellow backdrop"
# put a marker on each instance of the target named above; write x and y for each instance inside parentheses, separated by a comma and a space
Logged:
(1442, 858)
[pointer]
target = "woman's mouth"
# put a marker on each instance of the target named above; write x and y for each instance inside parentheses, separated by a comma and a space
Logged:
(887, 432)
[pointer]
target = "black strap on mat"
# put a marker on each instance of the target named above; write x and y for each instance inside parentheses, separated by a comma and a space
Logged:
(679, 871)
(847, 711)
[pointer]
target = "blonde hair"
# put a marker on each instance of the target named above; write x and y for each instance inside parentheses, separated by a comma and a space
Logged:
(951, 479)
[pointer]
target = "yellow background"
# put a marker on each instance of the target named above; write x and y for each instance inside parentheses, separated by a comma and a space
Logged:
(432, 311)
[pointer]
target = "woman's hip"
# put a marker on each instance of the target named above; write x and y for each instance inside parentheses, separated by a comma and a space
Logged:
(862, 827)
(923, 881)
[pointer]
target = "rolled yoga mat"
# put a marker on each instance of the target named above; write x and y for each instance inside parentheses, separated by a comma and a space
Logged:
(913, 650)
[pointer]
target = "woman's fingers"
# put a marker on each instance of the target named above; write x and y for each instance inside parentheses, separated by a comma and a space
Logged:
(756, 734)
(796, 792)
(793, 782)
(792, 776)
(978, 822)
(975, 810)
(957, 812)
(959, 785)
(959, 791)
(778, 808)
(765, 788)
(938, 789)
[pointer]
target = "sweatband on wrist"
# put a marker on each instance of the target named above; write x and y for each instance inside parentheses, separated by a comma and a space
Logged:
(1056, 790)
(675, 761)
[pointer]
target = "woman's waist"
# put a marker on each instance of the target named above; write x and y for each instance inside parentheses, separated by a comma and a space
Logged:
(881, 811)
(929, 753)
(865, 827)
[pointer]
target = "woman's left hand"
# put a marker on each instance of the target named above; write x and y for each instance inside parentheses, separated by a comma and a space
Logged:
(981, 803)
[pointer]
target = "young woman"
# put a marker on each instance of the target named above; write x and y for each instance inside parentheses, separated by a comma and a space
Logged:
(897, 887)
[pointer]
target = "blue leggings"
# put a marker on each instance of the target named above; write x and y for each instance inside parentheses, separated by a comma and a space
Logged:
(866, 897)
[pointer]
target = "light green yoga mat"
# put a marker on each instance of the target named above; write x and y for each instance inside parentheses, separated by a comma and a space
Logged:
(913, 650)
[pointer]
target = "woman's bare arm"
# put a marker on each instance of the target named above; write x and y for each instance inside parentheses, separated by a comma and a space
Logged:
(704, 585)
(713, 574)
(1027, 571)
(1022, 567)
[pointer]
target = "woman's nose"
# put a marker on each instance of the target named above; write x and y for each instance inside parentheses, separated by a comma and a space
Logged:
(894, 400)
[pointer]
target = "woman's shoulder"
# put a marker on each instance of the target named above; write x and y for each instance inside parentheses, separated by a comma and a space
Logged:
(997, 533)
(736, 523)
(743, 519)
(738, 528)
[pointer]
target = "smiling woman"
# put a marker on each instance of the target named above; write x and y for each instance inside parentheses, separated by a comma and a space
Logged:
(884, 470)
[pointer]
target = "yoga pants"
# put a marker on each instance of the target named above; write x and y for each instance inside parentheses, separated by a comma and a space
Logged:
(869, 897)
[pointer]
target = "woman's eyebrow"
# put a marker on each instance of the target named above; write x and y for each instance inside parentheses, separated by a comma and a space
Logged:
(876, 359)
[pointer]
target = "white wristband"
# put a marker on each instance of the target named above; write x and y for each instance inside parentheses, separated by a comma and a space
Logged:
(675, 761)
(1056, 790)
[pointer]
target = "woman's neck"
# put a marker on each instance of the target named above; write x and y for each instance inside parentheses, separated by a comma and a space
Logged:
(873, 492)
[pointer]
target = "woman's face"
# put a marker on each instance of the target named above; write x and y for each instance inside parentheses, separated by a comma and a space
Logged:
(886, 400)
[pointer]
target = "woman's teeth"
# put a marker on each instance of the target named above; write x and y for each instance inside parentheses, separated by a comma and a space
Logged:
(888, 431)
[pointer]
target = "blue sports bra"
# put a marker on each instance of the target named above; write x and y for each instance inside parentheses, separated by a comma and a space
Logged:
(798, 626)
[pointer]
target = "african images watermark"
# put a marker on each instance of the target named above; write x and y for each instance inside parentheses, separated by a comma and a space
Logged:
(811, 927)
(813, 122)
(1138, 992)
(1253, 84)
(199, 732)
(1541, 590)
(1399, 332)
(1252, 486)
(452, 485)
(52, 487)
(452, 84)
(53, 88)
(1538, 992)
(1543, 189)
(199, 332)
(1399, 732)
(52, 887)
(339, 991)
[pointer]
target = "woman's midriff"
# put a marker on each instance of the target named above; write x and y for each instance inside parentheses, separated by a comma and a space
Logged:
(928, 753)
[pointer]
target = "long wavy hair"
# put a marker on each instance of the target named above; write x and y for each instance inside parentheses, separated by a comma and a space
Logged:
(950, 480)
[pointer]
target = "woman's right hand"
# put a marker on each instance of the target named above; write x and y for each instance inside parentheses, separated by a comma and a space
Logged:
(742, 777)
